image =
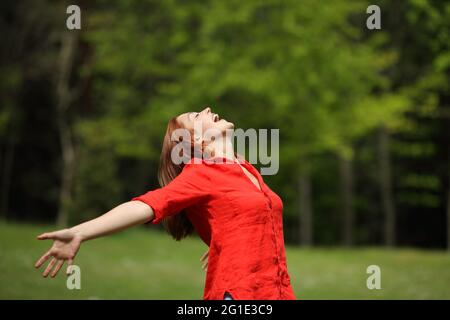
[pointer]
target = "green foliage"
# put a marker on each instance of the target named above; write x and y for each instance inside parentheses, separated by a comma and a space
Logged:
(309, 68)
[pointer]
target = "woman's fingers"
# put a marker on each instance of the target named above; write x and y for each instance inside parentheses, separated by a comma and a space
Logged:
(49, 267)
(204, 256)
(69, 263)
(57, 268)
(204, 259)
(42, 259)
(46, 235)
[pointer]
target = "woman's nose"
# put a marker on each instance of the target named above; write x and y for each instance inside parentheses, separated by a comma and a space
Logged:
(207, 110)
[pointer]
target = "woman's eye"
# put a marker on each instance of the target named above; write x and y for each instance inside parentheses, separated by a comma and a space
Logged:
(196, 116)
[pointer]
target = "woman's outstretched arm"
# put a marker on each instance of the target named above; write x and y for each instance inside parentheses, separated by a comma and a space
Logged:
(123, 216)
(66, 242)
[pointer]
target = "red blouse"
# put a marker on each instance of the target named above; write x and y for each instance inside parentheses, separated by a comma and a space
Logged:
(242, 226)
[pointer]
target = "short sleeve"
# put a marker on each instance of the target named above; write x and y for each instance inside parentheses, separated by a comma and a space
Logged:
(190, 187)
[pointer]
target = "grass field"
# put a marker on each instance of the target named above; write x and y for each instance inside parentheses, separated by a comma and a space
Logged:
(147, 264)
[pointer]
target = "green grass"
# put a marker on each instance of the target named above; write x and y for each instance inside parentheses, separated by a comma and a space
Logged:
(147, 264)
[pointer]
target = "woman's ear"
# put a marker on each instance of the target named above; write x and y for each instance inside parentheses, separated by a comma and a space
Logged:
(197, 146)
(208, 152)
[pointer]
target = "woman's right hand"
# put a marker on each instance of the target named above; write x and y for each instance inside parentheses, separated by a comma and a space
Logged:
(66, 244)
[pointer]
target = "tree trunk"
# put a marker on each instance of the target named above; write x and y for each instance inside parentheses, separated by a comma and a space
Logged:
(346, 181)
(15, 50)
(386, 188)
(7, 163)
(64, 99)
(306, 212)
(448, 209)
(448, 217)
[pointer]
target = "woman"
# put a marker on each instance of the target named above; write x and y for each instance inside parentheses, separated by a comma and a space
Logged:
(223, 198)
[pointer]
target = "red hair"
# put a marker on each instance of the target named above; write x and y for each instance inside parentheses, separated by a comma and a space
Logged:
(178, 225)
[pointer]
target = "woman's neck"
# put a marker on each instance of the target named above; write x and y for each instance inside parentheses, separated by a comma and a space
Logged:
(222, 147)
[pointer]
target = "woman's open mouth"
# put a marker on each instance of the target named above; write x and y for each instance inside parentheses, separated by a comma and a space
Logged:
(216, 117)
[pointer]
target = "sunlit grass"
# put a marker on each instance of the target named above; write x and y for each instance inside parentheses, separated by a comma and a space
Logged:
(147, 264)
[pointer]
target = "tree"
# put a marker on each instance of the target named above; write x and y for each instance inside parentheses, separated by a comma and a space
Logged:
(418, 35)
(64, 99)
(386, 186)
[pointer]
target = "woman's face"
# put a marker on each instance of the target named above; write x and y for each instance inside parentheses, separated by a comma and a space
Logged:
(205, 120)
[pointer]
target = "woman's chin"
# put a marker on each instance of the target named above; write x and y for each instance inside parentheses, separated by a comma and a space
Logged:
(223, 125)
(229, 125)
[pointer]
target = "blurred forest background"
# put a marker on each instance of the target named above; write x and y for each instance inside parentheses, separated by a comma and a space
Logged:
(364, 115)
